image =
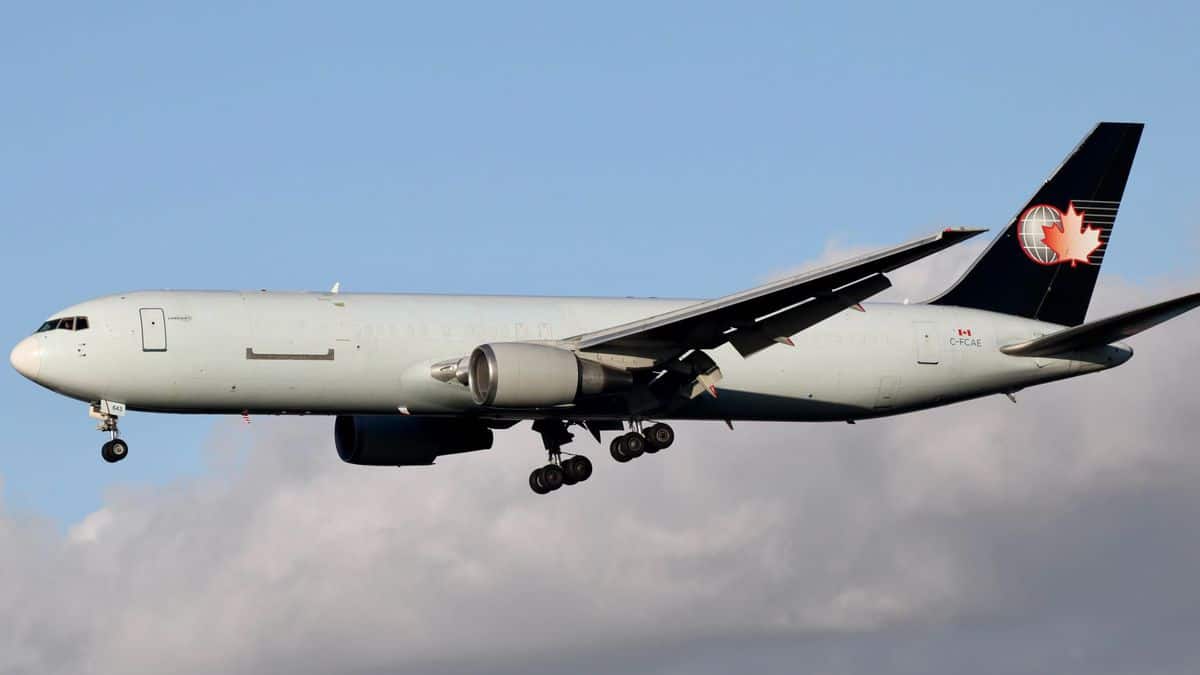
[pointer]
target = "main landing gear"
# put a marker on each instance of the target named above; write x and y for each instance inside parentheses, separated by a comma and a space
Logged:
(633, 444)
(558, 471)
(115, 449)
(577, 468)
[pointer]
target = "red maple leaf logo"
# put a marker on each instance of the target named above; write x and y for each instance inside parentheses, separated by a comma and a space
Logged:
(1072, 240)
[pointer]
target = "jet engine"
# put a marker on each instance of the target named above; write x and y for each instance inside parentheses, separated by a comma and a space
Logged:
(529, 375)
(394, 440)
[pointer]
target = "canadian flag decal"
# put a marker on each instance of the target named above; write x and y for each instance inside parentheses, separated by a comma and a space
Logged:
(964, 332)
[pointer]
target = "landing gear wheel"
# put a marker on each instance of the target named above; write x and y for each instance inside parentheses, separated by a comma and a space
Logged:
(634, 444)
(576, 470)
(659, 437)
(583, 467)
(552, 477)
(536, 483)
(617, 450)
(114, 450)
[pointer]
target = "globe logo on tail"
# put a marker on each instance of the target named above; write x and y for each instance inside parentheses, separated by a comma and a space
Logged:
(1049, 236)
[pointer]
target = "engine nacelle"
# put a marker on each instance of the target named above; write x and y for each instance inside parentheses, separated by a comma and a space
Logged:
(395, 440)
(529, 375)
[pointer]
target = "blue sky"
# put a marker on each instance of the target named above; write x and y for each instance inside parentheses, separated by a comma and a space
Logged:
(679, 149)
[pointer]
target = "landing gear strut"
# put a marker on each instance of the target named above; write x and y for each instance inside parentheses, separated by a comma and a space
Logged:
(115, 449)
(558, 471)
(651, 439)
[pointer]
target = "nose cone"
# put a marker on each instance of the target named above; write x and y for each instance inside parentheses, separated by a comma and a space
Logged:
(26, 357)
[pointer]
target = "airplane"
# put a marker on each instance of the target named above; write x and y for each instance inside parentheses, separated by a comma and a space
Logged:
(411, 378)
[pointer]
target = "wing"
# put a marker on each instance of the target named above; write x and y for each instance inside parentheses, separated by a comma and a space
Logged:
(759, 317)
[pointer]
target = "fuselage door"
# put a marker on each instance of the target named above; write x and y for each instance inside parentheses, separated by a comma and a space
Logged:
(889, 389)
(925, 334)
(154, 330)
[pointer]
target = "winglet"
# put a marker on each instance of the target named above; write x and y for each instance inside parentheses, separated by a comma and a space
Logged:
(337, 286)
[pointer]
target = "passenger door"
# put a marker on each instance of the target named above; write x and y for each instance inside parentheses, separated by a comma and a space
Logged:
(154, 329)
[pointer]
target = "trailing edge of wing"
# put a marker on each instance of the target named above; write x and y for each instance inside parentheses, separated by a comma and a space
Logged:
(1105, 331)
(709, 324)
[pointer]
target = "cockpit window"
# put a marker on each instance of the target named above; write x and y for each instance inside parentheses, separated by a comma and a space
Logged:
(68, 323)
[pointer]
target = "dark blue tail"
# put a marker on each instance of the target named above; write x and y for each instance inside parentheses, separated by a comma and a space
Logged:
(1044, 265)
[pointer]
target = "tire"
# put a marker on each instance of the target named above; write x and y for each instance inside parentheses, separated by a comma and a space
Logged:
(583, 467)
(577, 470)
(114, 451)
(660, 437)
(634, 444)
(535, 482)
(617, 450)
(552, 477)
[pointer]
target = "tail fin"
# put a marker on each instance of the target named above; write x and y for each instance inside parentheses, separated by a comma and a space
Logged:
(1045, 263)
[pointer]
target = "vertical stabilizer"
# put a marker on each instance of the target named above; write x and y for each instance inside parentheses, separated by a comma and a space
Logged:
(1044, 265)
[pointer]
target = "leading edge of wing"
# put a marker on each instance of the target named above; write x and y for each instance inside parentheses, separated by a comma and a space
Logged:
(782, 293)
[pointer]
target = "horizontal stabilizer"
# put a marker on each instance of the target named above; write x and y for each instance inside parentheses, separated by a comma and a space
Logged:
(1104, 331)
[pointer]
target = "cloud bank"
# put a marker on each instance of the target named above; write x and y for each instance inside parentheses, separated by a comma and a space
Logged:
(1055, 535)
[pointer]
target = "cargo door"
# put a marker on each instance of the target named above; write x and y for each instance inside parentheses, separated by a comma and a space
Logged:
(154, 330)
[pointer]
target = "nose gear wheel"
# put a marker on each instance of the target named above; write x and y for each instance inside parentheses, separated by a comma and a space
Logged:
(115, 449)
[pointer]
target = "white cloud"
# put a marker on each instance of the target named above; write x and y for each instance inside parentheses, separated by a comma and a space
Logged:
(89, 529)
(984, 532)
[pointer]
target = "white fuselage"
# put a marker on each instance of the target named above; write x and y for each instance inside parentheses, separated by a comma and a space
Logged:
(322, 353)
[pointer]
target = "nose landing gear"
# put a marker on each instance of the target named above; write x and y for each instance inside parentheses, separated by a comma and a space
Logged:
(107, 412)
